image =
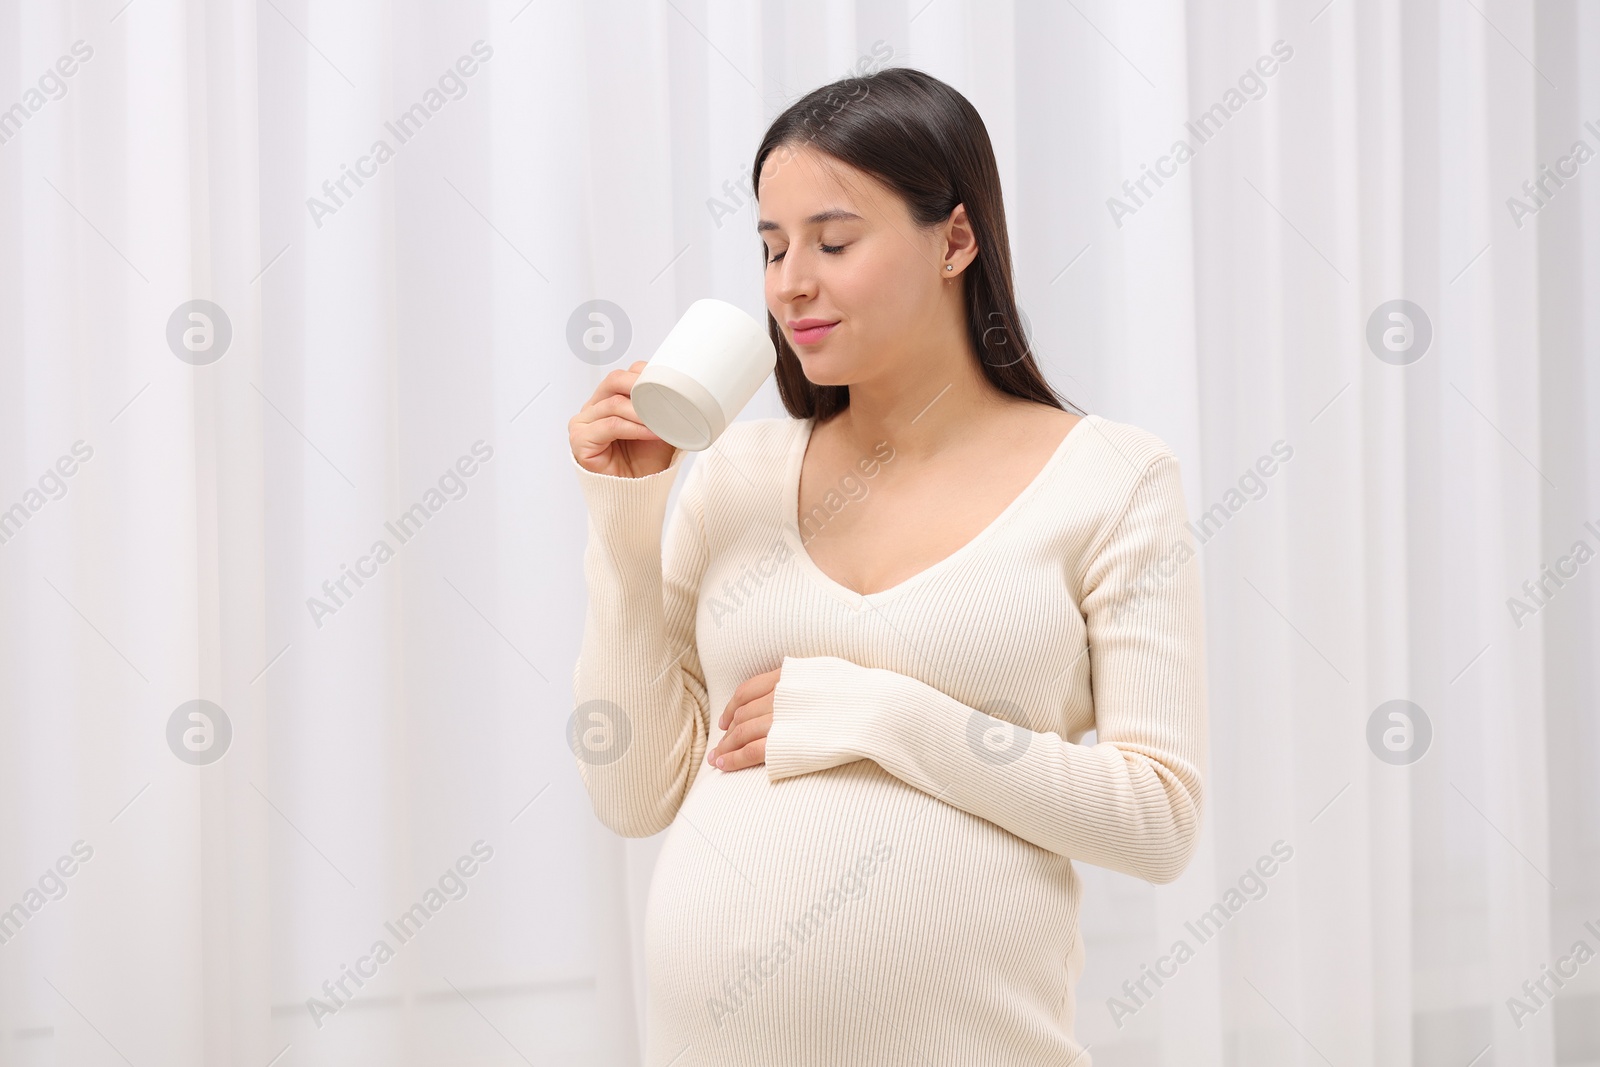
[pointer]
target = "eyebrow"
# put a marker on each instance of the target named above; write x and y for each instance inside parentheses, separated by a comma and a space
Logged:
(837, 214)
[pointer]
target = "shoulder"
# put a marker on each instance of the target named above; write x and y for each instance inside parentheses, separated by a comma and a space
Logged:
(1126, 478)
(754, 448)
(748, 454)
(1123, 452)
(748, 436)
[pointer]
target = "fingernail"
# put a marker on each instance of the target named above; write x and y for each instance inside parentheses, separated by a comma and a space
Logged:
(719, 763)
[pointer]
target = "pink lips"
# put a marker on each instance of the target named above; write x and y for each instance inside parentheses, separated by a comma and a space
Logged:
(809, 331)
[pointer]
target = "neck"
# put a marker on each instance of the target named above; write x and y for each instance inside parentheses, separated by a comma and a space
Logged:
(923, 407)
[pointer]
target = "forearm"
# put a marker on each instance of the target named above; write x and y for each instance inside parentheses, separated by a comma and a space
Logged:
(1132, 808)
(640, 725)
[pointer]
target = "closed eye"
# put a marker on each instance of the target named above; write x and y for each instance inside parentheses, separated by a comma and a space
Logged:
(832, 250)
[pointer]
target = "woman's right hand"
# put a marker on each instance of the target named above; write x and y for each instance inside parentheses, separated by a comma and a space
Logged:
(608, 437)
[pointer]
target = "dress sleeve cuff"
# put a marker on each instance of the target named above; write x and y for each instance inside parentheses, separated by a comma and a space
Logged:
(821, 709)
(626, 510)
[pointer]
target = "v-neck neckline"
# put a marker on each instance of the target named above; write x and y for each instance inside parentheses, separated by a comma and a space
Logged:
(791, 522)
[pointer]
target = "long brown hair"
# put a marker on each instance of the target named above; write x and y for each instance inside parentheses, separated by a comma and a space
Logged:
(924, 140)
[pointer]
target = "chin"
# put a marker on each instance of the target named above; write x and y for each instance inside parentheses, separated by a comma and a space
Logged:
(822, 370)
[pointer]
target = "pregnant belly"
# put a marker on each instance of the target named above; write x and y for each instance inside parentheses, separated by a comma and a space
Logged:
(831, 915)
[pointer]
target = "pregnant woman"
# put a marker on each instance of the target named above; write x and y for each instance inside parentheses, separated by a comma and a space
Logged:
(853, 679)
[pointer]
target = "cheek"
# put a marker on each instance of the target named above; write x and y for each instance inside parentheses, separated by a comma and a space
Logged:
(859, 285)
(884, 289)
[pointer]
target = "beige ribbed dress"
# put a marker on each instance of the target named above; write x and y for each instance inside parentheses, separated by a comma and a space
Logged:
(895, 885)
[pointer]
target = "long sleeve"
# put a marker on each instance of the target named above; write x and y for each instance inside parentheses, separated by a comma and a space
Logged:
(1131, 801)
(640, 727)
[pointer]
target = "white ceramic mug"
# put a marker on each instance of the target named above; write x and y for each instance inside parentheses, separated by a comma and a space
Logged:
(705, 372)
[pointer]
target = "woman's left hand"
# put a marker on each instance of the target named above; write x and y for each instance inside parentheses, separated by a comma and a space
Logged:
(747, 718)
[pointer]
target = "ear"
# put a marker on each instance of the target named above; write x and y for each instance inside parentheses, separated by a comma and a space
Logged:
(961, 243)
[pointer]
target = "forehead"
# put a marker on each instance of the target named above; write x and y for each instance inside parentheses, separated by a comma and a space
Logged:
(801, 186)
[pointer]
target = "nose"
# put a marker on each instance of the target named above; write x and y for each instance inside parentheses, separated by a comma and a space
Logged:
(793, 278)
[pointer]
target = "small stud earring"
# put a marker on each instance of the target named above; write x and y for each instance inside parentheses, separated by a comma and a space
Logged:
(949, 266)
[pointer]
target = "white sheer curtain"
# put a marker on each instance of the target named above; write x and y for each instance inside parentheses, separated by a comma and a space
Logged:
(181, 516)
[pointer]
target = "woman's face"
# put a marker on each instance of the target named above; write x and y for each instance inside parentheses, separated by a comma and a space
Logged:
(842, 249)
